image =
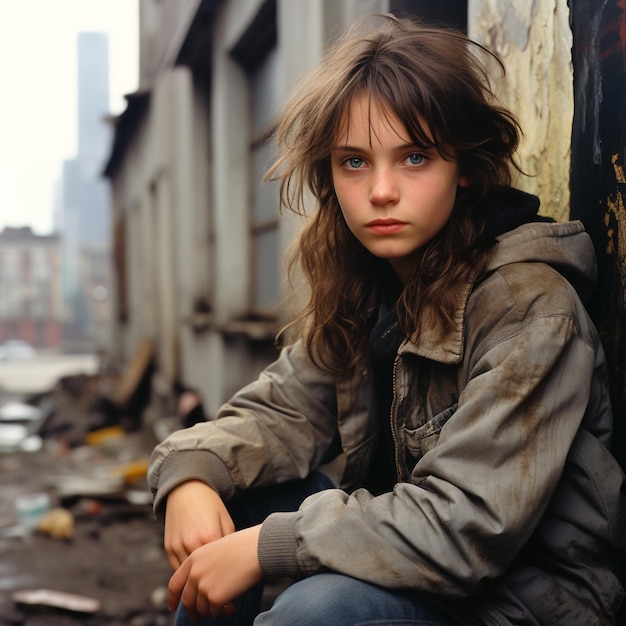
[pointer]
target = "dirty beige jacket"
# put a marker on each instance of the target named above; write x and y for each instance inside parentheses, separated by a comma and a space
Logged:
(507, 507)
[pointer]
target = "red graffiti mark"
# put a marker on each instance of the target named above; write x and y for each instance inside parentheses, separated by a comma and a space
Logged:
(614, 49)
(622, 29)
(615, 32)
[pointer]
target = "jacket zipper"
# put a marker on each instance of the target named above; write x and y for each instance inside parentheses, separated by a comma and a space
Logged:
(393, 420)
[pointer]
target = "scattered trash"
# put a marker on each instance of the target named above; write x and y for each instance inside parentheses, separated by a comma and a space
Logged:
(32, 443)
(130, 472)
(12, 435)
(19, 412)
(90, 487)
(103, 435)
(19, 423)
(57, 599)
(73, 460)
(31, 508)
(139, 496)
(58, 523)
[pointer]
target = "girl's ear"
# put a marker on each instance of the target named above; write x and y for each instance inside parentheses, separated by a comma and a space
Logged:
(464, 181)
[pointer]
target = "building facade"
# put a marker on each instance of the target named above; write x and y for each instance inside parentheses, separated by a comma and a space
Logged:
(30, 288)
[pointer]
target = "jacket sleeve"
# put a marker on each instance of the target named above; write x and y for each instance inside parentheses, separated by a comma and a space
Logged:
(476, 497)
(279, 427)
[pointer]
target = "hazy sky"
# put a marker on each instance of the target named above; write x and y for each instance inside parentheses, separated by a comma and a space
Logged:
(38, 101)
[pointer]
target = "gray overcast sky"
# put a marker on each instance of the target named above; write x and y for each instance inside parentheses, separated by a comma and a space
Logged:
(38, 40)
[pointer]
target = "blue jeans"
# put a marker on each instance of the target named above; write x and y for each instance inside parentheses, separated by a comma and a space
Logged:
(337, 600)
(326, 599)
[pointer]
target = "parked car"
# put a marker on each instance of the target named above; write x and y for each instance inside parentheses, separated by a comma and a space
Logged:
(16, 350)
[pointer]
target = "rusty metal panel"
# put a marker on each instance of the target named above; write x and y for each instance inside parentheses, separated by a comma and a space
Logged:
(598, 180)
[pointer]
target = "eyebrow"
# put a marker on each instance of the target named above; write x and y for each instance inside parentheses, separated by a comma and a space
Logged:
(399, 148)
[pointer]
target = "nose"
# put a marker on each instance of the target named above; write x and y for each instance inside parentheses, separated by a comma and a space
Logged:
(383, 188)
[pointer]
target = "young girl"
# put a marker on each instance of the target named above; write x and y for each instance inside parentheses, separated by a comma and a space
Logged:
(432, 446)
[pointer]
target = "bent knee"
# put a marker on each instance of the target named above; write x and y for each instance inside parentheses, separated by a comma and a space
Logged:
(320, 599)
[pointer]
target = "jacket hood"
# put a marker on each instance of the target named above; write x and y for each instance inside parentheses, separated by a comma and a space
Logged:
(524, 236)
(566, 247)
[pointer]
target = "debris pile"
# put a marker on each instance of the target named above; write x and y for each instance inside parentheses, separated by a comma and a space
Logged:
(78, 539)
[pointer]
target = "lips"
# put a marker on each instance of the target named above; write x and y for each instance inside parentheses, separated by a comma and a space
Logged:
(385, 226)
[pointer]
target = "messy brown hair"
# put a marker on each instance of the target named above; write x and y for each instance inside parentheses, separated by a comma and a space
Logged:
(418, 73)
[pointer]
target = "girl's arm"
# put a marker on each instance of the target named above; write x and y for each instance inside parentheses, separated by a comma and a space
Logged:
(278, 428)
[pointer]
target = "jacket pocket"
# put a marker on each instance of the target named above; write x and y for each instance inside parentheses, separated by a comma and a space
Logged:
(420, 440)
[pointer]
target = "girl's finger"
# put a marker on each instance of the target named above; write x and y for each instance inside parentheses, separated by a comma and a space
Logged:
(176, 586)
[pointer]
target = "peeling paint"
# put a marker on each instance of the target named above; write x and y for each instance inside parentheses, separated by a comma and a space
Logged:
(620, 173)
(615, 220)
(615, 217)
(534, 41)
(610, 246)
(616, 208)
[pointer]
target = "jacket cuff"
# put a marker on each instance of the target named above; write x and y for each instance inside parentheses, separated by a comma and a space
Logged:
(278, 546)
(182, 466)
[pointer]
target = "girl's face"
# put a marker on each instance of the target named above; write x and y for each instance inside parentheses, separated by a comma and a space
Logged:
(394, 195)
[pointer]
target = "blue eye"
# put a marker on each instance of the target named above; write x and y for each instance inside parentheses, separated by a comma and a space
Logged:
(354, 162)
(416, 159)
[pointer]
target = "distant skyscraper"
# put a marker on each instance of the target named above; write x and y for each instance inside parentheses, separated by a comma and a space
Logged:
(86, 212)
(91, 193)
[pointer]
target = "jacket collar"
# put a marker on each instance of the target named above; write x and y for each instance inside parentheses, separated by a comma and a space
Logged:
(439, 342)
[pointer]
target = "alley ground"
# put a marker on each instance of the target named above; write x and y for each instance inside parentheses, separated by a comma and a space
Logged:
(99, 540)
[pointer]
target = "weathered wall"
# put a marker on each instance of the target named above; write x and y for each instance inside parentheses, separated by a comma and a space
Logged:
(533, 39)
(599, 174)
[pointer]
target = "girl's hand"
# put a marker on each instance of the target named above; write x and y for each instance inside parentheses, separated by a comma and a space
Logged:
(194, 516)
(214, 575)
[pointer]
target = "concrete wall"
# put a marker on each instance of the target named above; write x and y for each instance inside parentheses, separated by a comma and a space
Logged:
(534, 40)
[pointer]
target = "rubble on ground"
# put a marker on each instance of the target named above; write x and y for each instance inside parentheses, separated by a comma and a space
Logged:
(78, 538)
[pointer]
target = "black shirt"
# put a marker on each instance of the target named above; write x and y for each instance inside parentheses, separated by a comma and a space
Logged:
(383, 344)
